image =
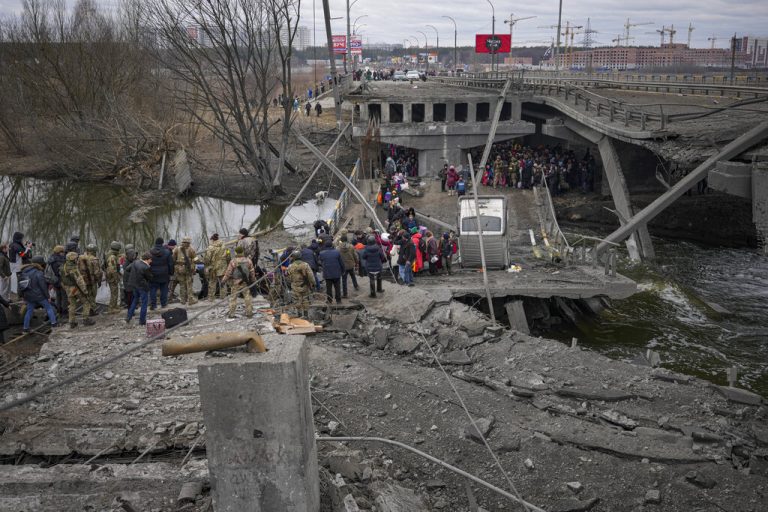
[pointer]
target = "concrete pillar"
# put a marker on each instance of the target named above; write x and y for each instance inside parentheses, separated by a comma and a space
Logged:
(432, 160)
(260, 436)
(760, 202)
(471, 112)
(429, 112)
(407, 112)
(364, 116)
(384, 112)
(639, 244)
(450, 112)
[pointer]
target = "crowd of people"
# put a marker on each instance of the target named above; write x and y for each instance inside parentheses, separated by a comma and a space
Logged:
(514, 165)
(68, 280)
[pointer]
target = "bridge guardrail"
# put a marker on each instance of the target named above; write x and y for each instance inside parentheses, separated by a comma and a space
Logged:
(753, 80)
(554, 237)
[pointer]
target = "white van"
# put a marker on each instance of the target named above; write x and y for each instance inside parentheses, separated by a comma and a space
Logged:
(493, 219)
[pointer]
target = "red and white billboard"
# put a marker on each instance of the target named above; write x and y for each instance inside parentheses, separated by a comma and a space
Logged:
(356, 45)
(339, 44)
(487, 43)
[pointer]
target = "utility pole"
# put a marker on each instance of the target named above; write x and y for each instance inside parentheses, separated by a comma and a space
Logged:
(493, 33)
(334, 74)
(349, 41)
(426, 49)
(455, 47)
(437, 47)
(557, 44)
(733, 57)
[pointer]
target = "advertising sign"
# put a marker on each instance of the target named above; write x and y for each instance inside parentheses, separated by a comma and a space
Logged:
(487, 43)
(339, 44)
(356, 45)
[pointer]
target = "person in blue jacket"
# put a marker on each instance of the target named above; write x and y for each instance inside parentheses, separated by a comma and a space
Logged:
(333, 268)
(35, 291)
(373, 258)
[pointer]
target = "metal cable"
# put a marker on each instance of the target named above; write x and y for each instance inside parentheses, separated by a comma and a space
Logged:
(529, 506)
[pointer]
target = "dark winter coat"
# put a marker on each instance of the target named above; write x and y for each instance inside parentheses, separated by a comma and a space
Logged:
(309, 257)
(330, 260)
(37, 291)
(55, 262)
(5, 265)
(139, 276)
(162, 264)
(373, 257)
(3, 318)
(407, 253)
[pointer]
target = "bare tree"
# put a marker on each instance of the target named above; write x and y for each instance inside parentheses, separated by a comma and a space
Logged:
(222, 58)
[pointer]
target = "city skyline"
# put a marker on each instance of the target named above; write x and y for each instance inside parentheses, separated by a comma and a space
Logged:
(721, 19)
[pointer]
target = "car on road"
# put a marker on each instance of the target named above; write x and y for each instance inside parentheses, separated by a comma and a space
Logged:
(399, 76)
(413, 75)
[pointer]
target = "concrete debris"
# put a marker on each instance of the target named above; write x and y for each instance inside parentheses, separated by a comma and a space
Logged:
(434, 484)
(483, 425)
(574, 505)
(758, 462)
(618, 419)
(528, 463)
(457, 357)
(699, 480)
(575, 487)
(189, 492)
(652, 497)
(347, 463)
(350, 505)
(393, 498)
(404, 344)
(740, 396)
(598, 394)
(380, 339)
(333, 427)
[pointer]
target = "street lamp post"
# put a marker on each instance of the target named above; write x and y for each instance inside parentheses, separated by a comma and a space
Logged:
(437, 46)
(557, 45)
(493, 31)
(426, 48)
(455, 36)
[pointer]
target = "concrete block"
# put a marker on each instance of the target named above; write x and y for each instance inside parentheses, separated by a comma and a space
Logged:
(734, 178)
(260, 436)
(516, 315)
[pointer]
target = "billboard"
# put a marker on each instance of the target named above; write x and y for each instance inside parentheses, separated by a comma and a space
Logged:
(339, 44)
(356, 44)
(486, 43)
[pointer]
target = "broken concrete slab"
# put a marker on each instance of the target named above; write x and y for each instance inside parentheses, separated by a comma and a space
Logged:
(573, 505)
(457, 357)
(618, 419)
(412, 304)
(404, 344)
(380, 339)
(741, 396)
(516, 315)
(758, 462)
(394, 498)
(469, 320)
(347, 463)
(599, 394)
(652, 497)
(343, 322)
(699, 480)
(483, 425)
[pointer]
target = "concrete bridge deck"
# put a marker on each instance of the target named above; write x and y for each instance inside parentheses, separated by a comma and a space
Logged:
(538, 278)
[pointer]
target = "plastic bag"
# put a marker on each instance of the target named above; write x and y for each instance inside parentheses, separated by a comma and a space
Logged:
(102, 294)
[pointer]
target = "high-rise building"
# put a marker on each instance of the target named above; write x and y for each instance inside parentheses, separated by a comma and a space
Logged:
(303, 38)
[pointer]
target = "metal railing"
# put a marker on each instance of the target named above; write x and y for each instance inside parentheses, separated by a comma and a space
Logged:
(554, 238)
(343, 202)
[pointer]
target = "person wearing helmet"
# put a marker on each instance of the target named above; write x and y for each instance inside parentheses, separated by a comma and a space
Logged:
(184, 269)
(302, 281)
(241, 273)
(75, 286)
(34, 290)
(112, 269)
(91, 272)
(373, 258)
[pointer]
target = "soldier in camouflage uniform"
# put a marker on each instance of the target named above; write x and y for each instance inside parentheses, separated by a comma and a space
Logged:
(302, 281)
(242, 274)
(215, 261)
(113, 275)
(184, 270)
(89, 267)
(74, 284)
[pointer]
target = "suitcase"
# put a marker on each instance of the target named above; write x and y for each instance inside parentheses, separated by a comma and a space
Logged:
(174, 317)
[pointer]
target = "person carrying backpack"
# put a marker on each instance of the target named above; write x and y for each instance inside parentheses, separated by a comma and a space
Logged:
(242, 274)
(34, 290)
(74, 284)
(52, 276)
(447, 250)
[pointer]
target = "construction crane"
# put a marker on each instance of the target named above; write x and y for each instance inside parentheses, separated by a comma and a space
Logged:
(512, 21)
(629, 25)
(662, 32)
(671, 31)
(574, 31)
(691, 28)
(713, 39)
(619, 39)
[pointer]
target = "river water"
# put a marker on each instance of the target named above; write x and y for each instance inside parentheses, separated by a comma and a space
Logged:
(49, 212)
(670, 314)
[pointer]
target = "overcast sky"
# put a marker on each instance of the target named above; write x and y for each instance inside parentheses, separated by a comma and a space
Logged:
(393, 21)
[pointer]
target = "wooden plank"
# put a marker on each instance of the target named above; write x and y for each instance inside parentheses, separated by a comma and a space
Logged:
(516, 315)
